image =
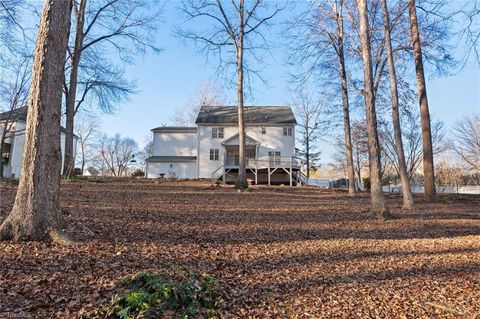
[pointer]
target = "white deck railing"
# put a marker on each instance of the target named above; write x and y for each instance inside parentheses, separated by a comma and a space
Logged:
(268, 162)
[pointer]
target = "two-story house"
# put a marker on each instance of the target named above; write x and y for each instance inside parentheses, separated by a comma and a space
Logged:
(210, 150)
(15, 122)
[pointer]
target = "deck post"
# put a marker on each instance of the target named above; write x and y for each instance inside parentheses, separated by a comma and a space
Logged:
(291, 184)
(268, 174)
(224, 173)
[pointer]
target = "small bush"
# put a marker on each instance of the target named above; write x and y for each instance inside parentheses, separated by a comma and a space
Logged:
(151, 294)
(12, 181)
(138, 173)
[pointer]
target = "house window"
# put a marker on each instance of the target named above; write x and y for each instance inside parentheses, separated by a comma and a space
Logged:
(217, 132)
(264, 130)
(214, 154)
(287, 131)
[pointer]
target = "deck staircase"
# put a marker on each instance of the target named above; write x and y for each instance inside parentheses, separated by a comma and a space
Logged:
(218, 174)
(301, 178)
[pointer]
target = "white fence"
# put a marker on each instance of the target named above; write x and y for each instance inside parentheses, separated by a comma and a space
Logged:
(440, 189)
(414, 188)
(318, 182)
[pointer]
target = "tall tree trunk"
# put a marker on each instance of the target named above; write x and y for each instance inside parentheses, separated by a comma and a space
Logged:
(359, 171)
(402, 164)
(68, 166)
(36, 211)
(242, 167)
(307, 153)
(428, 167)
(83, 157)
(378, 204)
(352, 191)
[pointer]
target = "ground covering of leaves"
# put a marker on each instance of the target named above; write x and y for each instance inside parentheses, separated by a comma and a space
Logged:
(279, 252)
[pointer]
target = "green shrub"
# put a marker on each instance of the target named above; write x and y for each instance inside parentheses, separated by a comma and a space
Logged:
(366, 183)
(150, 294)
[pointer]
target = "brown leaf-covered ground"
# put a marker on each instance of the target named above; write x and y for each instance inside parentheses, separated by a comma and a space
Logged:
(278, 252)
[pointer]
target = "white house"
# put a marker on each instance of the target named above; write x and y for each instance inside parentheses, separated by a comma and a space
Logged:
(12, 155)
(210, 149)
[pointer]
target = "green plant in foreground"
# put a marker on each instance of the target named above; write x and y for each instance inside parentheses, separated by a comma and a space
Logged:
(151, 294)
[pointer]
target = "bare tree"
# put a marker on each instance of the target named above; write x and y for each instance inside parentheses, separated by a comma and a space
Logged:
(116, 152)
(469, 20)
(36, 211)
(378, 204)
(318, 43)
(428, 166)
(308, 111)
(412, 138)
(448, 175)
(233, 29)
(13, 95)
(10, 12)
(402, 165)
(126, 26)
(86, 130)
(466, 140)
(147, 151)
(359, 149)
(207, 94)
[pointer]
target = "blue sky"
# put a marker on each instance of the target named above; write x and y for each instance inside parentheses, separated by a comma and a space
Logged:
(166, 82)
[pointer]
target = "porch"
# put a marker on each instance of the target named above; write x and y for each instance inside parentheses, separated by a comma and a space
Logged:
(267, 169)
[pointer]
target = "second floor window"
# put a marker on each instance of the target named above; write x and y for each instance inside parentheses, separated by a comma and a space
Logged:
(214, 154)
(217, 132)
(287, 131)
(264, 130)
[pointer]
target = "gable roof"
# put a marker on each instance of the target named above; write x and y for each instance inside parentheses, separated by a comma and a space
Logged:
(252, 115)
(233, 140)
(20, 114)
(92, 170)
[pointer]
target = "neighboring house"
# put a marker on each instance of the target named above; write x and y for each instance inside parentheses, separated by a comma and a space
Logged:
(91, 171)
(12, 155)
(210, 150)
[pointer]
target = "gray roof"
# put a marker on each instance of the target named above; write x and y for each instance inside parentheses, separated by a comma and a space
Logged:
(20, 114)
(175, 129)
(171, 158)
(253, 115)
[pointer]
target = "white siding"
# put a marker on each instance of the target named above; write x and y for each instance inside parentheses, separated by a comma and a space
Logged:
(182, 169)
(175, 144)
(18, 141)
(273, 140)
(16, 152)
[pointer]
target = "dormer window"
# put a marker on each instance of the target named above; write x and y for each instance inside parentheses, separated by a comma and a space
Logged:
(217, 132)
(287, 131)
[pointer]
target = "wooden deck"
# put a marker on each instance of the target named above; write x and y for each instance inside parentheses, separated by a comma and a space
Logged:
(265, 166)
